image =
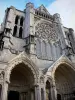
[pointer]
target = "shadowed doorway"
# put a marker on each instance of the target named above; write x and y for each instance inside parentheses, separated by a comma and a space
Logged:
(13, 95)
(21, 83)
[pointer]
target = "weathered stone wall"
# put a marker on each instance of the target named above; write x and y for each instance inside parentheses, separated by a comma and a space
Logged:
(49, 40)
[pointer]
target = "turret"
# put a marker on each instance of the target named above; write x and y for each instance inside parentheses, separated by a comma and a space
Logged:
(61, 33)
(29, 27)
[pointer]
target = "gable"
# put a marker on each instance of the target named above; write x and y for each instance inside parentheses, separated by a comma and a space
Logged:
(43, 9)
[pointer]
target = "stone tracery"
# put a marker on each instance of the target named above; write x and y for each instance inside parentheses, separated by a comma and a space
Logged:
(46, 31)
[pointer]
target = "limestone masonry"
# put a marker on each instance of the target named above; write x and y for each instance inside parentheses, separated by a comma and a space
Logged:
(37, 56)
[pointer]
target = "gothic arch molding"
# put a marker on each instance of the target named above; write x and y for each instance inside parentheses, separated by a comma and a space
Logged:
(62, 60)
(49, 78)
(62, 73)
(22, 58)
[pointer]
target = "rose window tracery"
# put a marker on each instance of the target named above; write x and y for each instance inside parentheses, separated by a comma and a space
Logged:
(46, 30)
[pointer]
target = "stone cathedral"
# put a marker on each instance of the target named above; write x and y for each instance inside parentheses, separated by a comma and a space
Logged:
(37, 56)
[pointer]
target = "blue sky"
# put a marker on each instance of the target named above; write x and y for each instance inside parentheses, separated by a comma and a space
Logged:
(66, 8)
(20, 4)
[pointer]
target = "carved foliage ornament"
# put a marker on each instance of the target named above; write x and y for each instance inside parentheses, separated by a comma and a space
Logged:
(46, 30)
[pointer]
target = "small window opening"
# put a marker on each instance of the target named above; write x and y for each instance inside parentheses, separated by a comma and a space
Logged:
(15, 31)
(20, 32)
(16, 19)
(21, 21)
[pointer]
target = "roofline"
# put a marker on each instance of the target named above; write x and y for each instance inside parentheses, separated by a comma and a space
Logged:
(11, 7)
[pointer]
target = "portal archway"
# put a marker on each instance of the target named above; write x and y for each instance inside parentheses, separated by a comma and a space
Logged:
(21, 83)
(62, 73)
(65, 82)
(21, 75)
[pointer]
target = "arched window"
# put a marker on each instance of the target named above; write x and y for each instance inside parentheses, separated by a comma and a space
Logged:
(16, 19)
(38, 48)
(21, 21)
(15, 31)
(37, 12)
(20, 32)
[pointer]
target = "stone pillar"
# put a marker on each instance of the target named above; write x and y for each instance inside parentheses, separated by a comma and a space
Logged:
(44, 93)
(29, 20)
(37, 93)
(29, 26)
(10, 16)
(61, 32)
(53, 92)
(32, 95)
(1, 92)
(4, 91)
(72, 39)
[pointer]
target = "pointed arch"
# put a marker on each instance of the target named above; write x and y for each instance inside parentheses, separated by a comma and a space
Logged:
(15, 31)
(16, 19)
(21, 21)
(22, 58)
(20, 32)
(61, 61)
(62, 73)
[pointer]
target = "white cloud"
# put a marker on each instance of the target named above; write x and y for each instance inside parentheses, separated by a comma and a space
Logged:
(66, 9)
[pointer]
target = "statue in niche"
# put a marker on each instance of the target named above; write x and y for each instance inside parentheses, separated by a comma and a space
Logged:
(41, 80)
(2, 75)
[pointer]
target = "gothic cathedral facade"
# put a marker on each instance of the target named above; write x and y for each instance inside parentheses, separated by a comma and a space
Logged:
(37, 56)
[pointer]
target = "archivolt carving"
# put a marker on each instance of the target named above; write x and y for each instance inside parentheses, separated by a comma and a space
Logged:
(46, 30)
(62, 60)
(18, 60)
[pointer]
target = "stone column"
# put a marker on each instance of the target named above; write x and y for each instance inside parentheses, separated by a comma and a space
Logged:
(61, 32)
(53, 92)
(44, 93)
(4, 91)
(37, 93)
(1, 92)
(32, 95)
